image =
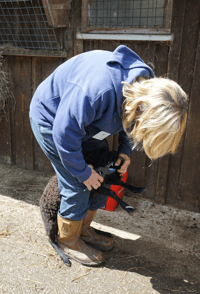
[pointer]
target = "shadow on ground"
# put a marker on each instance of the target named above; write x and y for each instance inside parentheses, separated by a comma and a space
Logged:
(160, 255)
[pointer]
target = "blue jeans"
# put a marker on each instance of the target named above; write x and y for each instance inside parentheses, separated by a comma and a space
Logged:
(75, 198)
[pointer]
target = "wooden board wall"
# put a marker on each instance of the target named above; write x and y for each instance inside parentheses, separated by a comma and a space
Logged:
(5, 131)
(170, 180)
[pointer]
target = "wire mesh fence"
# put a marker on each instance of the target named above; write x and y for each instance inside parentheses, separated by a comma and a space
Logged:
(126, 14)
(24, 29)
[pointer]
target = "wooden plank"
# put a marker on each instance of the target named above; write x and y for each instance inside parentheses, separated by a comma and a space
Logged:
(78, 47)
(38, 53)
(177, 29)
(76, 18)
(146, 51)
(110, 143)
(124, 37)
(88, 46)
(57, 12)
(189, 43)
(96, 44)
(109, 45)
(184, 66)
(189, 188)
(67, 35)
(84, 15)
(152, 172)
(5, 126)
(68, 43)
(136, 31)
(162, 172)
(41, 68)
(161, 184)
(168, 12)
(138, 173)
(151, 169)
(20, 71)
(172, 72)
(5, 140)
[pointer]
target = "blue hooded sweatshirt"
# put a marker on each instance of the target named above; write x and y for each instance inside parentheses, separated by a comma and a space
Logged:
(82, 99)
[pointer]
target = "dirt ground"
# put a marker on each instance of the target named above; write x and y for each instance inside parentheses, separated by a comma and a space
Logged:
(156, 248)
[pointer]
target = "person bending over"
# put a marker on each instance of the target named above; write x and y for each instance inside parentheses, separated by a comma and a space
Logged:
(86, 99)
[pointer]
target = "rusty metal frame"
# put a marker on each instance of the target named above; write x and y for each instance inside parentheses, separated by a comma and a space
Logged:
(166, 30)
(25, 29)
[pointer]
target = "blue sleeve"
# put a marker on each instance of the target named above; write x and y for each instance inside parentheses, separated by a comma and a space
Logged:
(125, 145)
(75, 111)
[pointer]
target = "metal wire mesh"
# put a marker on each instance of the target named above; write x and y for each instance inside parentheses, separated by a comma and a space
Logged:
(24, 28)
(126, 13)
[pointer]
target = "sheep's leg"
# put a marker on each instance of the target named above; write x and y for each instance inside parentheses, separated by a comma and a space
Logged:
(112, 194)
(60, 253)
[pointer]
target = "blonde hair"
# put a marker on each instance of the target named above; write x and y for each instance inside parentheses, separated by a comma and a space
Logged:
(154, 115)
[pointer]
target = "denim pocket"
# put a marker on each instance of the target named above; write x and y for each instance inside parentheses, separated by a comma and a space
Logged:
(47, 139)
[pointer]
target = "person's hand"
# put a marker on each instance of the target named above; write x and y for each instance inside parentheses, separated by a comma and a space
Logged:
(94, 180)
(126, 162)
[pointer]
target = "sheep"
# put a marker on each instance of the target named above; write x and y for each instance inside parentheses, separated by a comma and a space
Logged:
(50, 198)
(49, 206)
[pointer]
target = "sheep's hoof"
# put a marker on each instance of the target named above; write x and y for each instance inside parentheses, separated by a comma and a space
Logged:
(60, 253)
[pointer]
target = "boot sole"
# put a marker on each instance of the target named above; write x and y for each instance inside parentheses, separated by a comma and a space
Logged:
(92, 263)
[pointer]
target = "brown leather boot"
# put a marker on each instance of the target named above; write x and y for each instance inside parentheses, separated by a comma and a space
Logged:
(89, 235)
(69, 241)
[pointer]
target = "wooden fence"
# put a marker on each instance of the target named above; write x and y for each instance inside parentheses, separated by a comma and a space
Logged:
(171, 180)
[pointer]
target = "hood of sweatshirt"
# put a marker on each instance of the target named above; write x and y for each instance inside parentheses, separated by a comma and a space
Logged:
(126, 65)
